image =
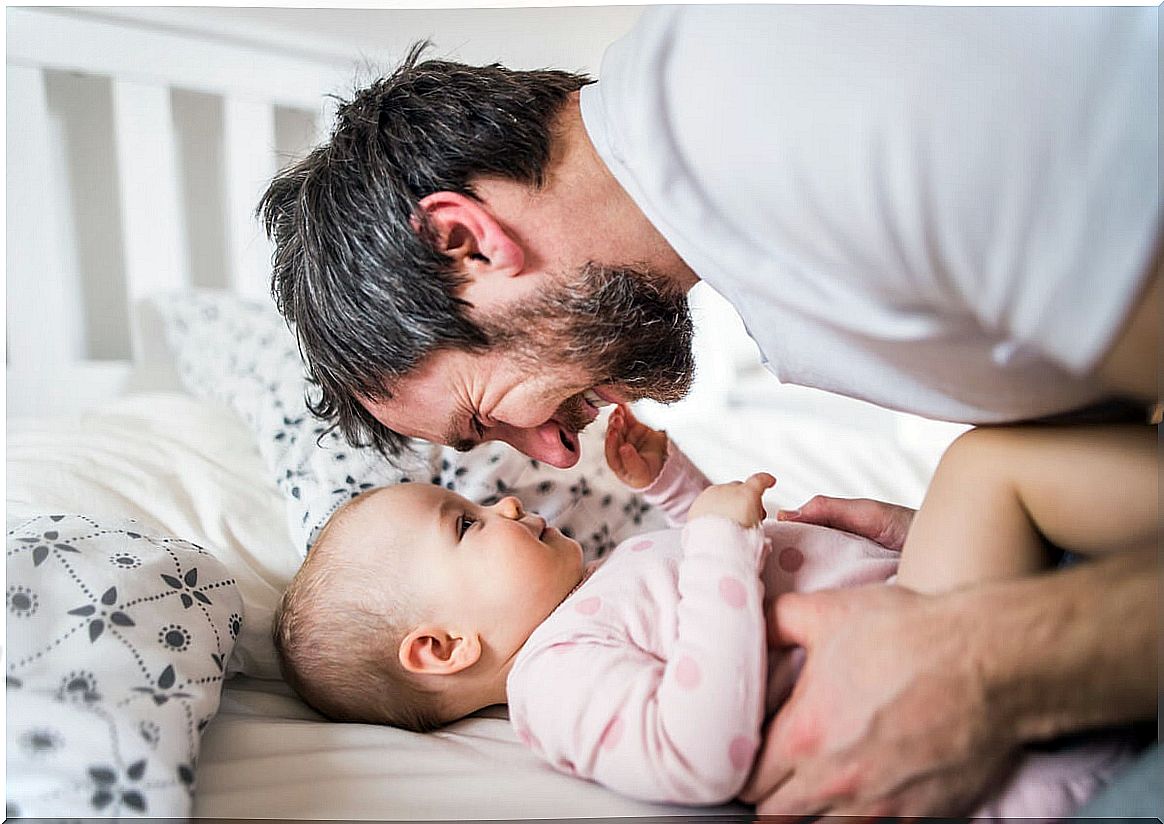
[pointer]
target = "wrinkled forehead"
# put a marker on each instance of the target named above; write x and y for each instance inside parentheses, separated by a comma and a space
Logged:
(432, 401)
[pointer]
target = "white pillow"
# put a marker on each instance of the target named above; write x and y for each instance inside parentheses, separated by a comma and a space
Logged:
(180, 467)
(118, 638)
(240, 353)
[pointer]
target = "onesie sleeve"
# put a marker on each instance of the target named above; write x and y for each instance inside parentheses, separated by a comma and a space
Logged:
(684, 729)
(676, 487)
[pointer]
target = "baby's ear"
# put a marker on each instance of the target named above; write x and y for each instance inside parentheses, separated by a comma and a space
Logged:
(430, 650)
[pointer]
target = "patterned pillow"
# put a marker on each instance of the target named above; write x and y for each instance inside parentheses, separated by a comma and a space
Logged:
(117, 645)
(240, 353)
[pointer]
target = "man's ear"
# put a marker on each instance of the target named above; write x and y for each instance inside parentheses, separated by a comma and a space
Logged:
(467, 232)
(430, 650)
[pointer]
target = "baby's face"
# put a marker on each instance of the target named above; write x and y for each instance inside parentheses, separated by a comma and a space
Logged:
(496, 568)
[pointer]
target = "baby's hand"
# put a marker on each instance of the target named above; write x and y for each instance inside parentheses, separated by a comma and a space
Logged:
(635, 452)
(738, 501)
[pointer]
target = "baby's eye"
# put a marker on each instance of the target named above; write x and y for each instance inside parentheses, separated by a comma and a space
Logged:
(463, 524)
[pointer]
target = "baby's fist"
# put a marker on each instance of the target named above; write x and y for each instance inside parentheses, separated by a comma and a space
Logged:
(635, 453)
(737, 501)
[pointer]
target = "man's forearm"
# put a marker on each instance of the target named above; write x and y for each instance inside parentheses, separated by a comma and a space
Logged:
(1071, 650)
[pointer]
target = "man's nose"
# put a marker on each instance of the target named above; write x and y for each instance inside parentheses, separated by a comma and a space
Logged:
(510, 507)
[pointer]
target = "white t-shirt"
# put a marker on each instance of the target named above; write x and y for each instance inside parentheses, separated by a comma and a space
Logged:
(947, 211)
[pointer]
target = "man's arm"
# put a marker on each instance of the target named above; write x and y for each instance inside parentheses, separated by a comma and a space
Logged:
(1087, 651)
(912, 704)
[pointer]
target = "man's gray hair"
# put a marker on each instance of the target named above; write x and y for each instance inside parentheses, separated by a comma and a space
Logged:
(356, 272)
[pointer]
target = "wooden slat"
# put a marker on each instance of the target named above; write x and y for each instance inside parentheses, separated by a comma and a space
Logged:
(43, 313)
(249, 150)
(151, 211)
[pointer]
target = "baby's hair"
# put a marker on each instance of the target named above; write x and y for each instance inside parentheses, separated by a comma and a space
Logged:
(337, 634)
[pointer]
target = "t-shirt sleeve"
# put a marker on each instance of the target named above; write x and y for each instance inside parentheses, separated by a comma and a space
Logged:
(676, 487)
(679, 730)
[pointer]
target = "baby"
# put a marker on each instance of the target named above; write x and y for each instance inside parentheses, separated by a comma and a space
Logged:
(648, 672)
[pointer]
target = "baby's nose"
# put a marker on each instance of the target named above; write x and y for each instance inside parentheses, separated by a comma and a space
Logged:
(510, 507)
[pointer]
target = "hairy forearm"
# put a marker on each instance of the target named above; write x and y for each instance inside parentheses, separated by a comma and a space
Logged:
(1068, 651)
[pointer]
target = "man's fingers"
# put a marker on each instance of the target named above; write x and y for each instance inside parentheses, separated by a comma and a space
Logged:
(824, 787)
(769, 770)
(869, 812)
(791, 620)
(791, 798)
(885, 523)
(823, 511)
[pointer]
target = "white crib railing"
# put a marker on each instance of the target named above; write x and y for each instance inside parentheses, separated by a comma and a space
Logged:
(143, 176)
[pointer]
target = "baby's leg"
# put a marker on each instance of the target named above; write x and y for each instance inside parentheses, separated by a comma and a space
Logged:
(1002, 494)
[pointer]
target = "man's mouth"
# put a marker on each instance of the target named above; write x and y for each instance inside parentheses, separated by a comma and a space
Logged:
(579, 411)
(595, 400)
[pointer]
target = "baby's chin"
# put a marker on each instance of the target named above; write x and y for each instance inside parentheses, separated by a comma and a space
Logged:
(581, 568)
(571, 544)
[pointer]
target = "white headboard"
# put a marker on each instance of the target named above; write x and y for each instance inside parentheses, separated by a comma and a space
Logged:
(140, 139)
(135, 159)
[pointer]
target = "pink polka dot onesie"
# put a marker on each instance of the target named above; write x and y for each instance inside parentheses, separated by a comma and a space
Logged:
(653, 678)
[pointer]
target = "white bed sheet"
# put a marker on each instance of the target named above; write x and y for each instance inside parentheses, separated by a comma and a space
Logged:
(268, 756)
(191, 467)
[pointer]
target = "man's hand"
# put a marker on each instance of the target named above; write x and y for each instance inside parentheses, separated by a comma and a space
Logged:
(882, 523)
(737, 501)
(634, 452)
(889, 715)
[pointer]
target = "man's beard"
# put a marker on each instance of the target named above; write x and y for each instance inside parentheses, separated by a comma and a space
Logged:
(622, 326)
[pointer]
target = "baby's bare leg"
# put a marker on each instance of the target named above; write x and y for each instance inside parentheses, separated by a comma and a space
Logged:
(1000, 495)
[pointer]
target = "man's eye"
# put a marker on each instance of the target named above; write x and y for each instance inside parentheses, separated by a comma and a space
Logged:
(463, 524)
(477, 427)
